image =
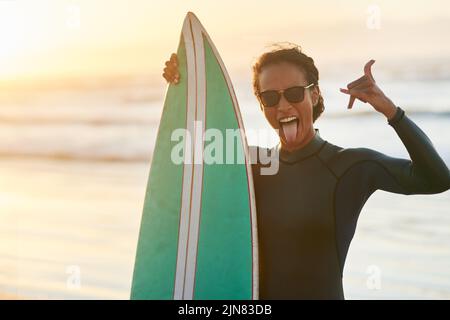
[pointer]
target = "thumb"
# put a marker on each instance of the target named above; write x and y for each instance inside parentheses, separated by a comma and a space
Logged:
(368, 70)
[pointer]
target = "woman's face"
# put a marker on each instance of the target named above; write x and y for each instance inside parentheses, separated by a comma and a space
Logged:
(280, 76)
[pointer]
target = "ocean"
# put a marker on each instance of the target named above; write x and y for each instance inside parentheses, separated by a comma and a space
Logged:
(74, 161)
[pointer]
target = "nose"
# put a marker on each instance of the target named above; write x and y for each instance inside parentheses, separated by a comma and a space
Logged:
(283, 104)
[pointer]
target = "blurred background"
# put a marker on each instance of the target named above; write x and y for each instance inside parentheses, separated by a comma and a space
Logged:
(81, 95)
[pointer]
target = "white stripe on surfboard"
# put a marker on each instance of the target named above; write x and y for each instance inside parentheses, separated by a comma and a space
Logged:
(197, 182)
(187, 167)
(255, 275)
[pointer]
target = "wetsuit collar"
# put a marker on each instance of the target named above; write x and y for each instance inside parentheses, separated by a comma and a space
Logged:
(308, 150)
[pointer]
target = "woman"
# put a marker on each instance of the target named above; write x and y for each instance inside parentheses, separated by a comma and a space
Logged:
(307, 212)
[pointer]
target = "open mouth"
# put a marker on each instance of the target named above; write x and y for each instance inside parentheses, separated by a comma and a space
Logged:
(288, 119)
(289, 125)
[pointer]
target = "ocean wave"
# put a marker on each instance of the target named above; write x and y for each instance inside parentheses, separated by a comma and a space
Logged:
(144, 118)
(55, 121)
(370, 113)
(73, 156)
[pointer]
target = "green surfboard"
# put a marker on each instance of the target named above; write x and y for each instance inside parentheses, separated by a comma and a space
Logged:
(198, 237)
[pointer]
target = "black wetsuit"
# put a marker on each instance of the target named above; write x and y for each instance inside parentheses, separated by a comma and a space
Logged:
(307, 212)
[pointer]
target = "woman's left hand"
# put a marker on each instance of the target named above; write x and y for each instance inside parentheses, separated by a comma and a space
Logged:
(366, 90)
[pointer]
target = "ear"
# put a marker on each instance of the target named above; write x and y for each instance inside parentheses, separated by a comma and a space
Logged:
(315, 94)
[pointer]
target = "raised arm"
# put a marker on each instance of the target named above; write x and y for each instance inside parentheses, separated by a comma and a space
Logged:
(424, 173)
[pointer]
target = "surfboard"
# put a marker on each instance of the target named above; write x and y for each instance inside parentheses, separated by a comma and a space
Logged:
(198, 234)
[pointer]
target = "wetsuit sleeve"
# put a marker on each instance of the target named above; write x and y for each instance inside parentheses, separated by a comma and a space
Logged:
(424, 173)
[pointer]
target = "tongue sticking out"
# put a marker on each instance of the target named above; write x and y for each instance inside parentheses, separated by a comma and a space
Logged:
(290, 131)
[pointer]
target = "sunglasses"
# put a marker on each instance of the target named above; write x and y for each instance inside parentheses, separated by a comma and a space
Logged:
(270, 98)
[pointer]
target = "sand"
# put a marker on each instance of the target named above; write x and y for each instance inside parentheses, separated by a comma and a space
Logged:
(69, 231)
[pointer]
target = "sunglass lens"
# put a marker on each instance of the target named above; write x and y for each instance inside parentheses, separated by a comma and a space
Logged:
(294, 94)
(270, 98)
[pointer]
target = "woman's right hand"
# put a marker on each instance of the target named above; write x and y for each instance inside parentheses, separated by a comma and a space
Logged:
(171, 73)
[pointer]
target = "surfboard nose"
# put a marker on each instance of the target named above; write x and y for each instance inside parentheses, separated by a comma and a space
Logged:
(190, 13)
(191, 16)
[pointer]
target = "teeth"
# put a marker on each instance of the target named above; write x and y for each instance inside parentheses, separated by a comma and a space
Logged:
(288, 119)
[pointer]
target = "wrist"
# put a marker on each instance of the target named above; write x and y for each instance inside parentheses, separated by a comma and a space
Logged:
(390, 110)
(399, 114)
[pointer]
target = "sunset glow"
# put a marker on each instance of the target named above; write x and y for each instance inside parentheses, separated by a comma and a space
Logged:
(77, 37)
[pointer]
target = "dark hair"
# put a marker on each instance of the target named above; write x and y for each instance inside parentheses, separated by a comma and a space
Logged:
(292, 53)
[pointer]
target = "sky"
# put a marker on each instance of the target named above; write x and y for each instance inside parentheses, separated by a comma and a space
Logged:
(54, 38)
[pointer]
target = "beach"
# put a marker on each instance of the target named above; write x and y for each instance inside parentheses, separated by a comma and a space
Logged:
(85, 216)
(81, 98)
(74, 168)
(70, 218)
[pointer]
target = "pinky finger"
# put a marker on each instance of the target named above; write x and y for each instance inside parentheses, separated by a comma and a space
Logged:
(350, 102)
(352, 98)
